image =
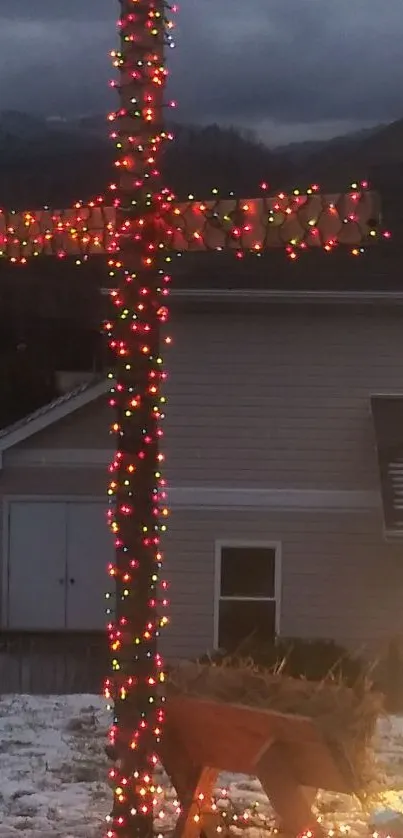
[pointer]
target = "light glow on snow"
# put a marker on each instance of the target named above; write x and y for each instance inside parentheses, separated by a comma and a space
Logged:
(53, 773)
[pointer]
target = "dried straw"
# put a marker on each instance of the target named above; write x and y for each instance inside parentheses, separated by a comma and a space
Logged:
(345, 716)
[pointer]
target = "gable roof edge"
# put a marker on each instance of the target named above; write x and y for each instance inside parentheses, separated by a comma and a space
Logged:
(55, 413)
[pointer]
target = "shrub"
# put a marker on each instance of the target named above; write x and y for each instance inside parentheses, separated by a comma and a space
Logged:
(314, 660)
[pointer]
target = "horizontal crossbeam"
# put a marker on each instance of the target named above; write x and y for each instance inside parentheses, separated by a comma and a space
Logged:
(295, 221)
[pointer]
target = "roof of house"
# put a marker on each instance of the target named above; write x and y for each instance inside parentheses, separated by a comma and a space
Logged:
(378, 269)
(54, 411)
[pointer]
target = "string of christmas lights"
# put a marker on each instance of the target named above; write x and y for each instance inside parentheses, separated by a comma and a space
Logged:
(139, 233)
(234, 815)
(137, 490)
(294, 222)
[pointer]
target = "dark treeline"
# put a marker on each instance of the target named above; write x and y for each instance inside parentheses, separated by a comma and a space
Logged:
(50, 320)
(31, 355)
(202, 159)
(43, 166)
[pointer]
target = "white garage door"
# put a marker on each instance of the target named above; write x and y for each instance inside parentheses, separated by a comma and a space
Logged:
(58, 553)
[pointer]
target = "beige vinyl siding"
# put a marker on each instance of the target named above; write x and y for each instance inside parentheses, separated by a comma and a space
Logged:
(338, 578)
(266, 400)
(275, 399)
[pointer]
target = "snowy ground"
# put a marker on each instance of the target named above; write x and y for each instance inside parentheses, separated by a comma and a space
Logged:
(53, 769)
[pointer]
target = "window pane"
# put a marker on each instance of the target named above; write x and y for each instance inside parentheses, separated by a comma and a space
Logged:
(239, 620)
(247, 571)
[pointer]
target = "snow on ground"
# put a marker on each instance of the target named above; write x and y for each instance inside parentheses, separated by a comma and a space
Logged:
(53, 770)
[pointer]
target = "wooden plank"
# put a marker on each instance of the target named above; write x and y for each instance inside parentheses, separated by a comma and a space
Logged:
(231, 737)
(197, 814)
(290, 800)
(194, 785)
(311, 220)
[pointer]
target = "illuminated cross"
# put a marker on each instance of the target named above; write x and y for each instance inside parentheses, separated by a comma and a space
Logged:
(139, 234)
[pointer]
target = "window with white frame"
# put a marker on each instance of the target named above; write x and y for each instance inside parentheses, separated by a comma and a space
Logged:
(246, 601)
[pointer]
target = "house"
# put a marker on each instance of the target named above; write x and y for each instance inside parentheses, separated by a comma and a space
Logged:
(284, 444)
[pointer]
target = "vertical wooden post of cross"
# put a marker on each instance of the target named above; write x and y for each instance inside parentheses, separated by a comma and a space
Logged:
(138, 266)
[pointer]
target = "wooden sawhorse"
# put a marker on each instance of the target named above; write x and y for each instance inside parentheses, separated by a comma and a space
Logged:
(287, 753)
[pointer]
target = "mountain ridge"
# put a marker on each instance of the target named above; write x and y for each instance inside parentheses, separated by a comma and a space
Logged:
(49, 160)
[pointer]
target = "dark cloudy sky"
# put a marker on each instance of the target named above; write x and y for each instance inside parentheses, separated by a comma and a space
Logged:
(288, 69)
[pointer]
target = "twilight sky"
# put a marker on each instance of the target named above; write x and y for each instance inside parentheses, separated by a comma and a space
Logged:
(287, 69)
